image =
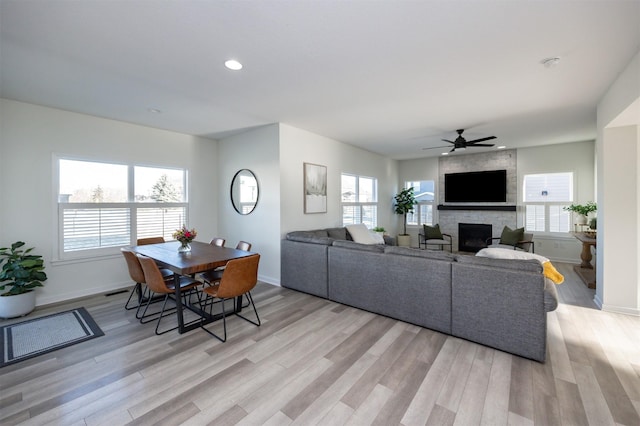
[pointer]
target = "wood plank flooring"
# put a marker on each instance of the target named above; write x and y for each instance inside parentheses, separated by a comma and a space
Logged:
(317, 362)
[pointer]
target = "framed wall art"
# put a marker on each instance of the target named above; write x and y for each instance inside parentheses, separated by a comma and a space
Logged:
(315, 188)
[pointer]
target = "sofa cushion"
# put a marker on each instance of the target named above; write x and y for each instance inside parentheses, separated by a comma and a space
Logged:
(530, 265)
(427, 254)
(432, 232)
(337, 233)
(511, 237)
(309, 237)
(377, 248)
(549, 270)
(361, 234)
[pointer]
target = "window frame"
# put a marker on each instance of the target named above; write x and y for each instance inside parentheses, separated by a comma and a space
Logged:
(359, 204)
(131, 204)
(421, 205)
(549, 205)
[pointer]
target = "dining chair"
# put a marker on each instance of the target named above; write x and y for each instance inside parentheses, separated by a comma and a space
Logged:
(150, 240)
(217, 241)
(159, 285)
(214, 276)
(239, 278)
(137, 275)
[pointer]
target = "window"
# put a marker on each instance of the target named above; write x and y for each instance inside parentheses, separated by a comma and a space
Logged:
(359, 200)
(422, 214)
(104, 205)
(545, 195)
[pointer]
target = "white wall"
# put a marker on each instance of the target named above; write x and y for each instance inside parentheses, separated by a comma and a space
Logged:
(577, 157)
(258, 151)
(617, 276)
(299, 146)
(32, 135)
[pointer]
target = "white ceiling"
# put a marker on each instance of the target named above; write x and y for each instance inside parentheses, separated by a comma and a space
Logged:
(390, 76)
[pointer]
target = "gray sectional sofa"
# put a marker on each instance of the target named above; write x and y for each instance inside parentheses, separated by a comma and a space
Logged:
(495, 302)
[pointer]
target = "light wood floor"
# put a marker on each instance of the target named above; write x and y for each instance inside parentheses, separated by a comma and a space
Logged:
(317, 362)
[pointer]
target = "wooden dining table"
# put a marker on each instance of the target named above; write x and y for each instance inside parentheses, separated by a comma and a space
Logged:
(202, 257)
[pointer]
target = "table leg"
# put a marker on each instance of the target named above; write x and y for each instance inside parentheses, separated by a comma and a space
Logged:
(586, 256)
(176, 280)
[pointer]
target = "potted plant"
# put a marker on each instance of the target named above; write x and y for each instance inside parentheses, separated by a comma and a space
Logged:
(380, 230)
(404, 202)
(21, 273)
(582, 210)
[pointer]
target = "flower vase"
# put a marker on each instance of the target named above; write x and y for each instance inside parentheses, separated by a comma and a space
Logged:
(185, 247)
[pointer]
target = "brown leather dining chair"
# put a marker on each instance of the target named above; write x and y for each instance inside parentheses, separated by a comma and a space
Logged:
(214, 276)
(239, 278)
(217, 241)
(137, 275)
(159, 285)
(150, 240)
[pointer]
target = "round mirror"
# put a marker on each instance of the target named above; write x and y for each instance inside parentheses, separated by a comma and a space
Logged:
(244, 191)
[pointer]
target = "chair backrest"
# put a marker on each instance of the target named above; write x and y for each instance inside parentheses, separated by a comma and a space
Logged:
(152, 275)
(526, 246)
(150, 240)
(217, 241)
(135, 270)
(240, 276)
(243, 245)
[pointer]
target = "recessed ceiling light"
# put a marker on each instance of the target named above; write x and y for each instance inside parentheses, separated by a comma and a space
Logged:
(445, 153)
(233, 65)
(550, 62)
(501, 147)
(154, 110)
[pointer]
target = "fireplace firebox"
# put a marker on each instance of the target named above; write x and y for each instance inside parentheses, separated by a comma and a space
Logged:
(472, 237)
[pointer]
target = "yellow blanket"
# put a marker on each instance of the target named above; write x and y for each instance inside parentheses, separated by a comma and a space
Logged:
(550, 272)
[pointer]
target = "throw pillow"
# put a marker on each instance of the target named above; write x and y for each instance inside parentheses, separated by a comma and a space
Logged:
(432, 232)
(361, 234)
(548, 269)
(511, 237)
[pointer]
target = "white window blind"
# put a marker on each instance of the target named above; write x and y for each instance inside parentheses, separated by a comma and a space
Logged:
(102, 206)
(544, 196)
(359, 200)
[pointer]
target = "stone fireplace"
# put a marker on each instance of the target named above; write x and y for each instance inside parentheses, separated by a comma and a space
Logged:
(473, 236)
(497, 217)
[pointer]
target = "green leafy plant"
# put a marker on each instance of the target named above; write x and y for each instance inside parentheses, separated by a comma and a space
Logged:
(405, 200)
(21, 272)
(379, 229)
(583, 209)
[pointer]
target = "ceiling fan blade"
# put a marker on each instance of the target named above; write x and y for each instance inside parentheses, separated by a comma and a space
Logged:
(480, 140)
(480, 144)
(447, 140)
(434, 147)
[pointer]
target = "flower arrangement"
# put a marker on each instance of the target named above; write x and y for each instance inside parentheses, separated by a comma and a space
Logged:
(184, 235)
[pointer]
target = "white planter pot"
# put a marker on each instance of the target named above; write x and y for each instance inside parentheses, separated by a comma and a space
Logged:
(18, 305)
(581, 219)
(404, 240)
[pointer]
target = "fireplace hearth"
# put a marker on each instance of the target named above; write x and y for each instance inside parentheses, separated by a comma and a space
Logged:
(472, 237)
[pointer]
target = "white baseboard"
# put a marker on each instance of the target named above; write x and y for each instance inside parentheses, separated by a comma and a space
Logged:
(621, 310)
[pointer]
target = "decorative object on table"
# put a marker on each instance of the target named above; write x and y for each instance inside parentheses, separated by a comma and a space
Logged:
(185, 236)
(582, 211)
(404, 202)
(21, 273)
(593, 223)
(245, 191)
(39, 336)
(315, 188)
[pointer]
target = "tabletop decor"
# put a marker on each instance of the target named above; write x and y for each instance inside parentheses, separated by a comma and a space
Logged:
(185, 236)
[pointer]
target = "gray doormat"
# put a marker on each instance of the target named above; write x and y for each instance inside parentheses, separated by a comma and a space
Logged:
(39, 336)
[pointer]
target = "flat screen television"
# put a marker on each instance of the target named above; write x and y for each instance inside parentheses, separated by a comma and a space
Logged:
(476, 187)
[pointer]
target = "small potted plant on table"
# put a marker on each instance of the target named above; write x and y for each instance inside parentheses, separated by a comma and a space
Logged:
(21, 273)
(582, 211)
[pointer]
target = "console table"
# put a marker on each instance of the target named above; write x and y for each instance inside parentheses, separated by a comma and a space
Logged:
(585, 269)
